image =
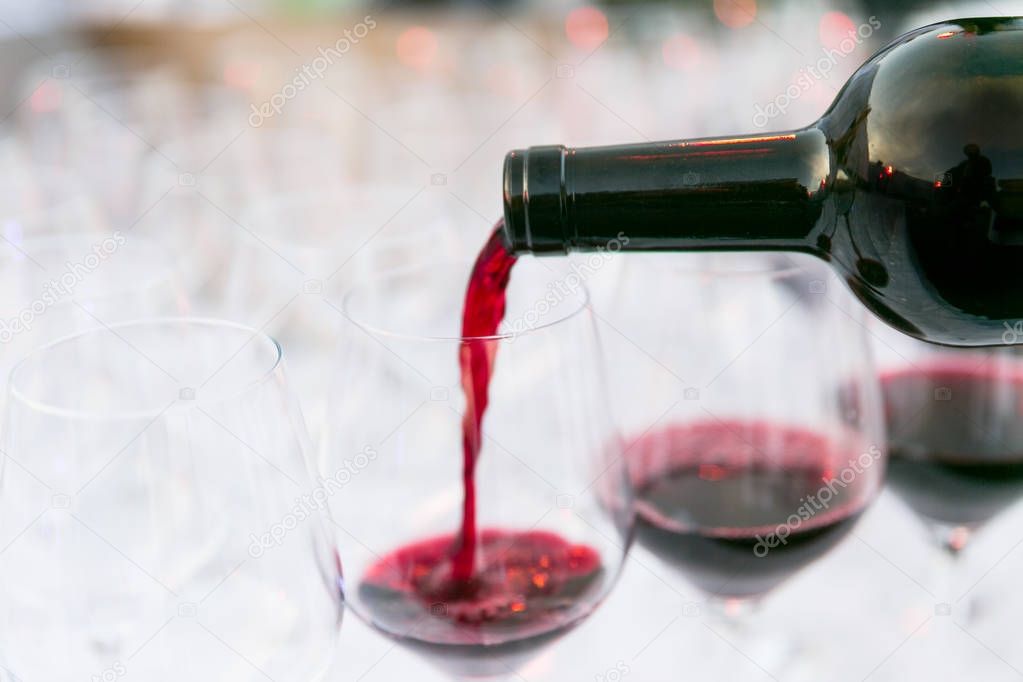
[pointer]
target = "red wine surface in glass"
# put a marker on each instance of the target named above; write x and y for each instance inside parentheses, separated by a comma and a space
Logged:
(481, 586)
(524, 584)
(955, 428)
(739, 506)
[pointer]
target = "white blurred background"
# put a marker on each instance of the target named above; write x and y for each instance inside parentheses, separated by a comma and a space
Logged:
(251, 159)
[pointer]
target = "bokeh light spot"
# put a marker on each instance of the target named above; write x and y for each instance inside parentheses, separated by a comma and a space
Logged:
(835, 28)
(736, 13)
(417, 48)
(46, 98)
(586, 27)
(241, 75)
(681, 52)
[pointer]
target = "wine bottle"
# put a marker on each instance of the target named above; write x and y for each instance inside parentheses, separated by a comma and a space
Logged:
(911, 186)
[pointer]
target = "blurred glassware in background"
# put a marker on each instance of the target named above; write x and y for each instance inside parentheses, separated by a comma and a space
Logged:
(97, 115)
(149, 513)
(294, 254)
(322, 241)
(56, 283)
(207, 182)
(550, 464)
(37, 200)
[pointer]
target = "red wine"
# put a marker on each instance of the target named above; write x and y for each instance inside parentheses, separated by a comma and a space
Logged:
(482, 313)
(918, 208)
(523, 584)
(481, 587)
(739, 506)
(955, 429)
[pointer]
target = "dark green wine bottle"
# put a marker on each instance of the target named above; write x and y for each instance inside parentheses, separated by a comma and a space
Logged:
(911, 186)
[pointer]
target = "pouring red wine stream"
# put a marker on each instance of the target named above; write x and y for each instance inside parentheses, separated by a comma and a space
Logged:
(476, 577)
(485, 302)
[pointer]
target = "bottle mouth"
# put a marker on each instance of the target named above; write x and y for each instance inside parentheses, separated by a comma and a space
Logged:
(536, 201)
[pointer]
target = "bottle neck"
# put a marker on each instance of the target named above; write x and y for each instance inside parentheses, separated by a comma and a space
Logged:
(748, 193)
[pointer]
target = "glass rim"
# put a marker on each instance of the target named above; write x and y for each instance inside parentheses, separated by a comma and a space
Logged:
(580, 306)
(46, 407)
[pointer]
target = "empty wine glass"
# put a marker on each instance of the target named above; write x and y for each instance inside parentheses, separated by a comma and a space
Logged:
(955, 437)
(753, 425)
(56, 282)
(547, 514)
(298, 250)
(307, 242)
(34, 199)
(153, 512)
(100, 109)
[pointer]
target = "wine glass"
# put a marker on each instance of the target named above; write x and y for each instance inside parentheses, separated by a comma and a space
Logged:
(34, 198)
(153, 519)
(54, 282)
(307, 242)
(752, 420)
(955, 437)
(546, 516)
(299, 249)
(97, 114)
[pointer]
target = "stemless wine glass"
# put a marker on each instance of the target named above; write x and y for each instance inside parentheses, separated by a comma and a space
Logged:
(956, 438)
(752, 416)
(550, 491)
(152, 513)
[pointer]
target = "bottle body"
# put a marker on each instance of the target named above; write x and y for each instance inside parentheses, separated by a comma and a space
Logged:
(911, 186)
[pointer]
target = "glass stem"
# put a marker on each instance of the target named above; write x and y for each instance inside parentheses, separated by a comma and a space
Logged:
(740, 626)
(953, 597)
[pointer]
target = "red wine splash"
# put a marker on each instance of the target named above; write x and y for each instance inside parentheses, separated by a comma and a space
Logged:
(487, 586)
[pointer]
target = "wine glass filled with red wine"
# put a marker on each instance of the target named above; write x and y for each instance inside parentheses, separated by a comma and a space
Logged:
(955, 435)
(753, 427)
(485, 507)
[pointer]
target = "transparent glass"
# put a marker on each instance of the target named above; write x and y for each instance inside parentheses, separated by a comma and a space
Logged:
(550, 466)
(307, 243)
(956, 441)
(35, 199)
(157, 514)
(54, 283)
(752, 419)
